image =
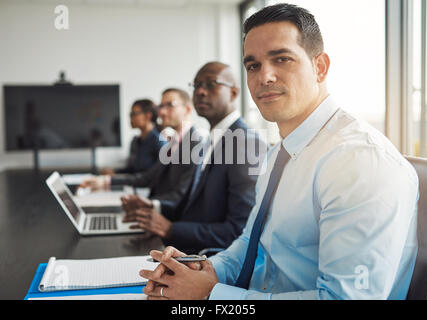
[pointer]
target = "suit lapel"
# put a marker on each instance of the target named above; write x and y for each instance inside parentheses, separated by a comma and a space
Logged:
(218, 151)
(200, 184)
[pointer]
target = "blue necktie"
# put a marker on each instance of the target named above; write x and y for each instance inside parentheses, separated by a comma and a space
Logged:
(251, 254)
(198, 172)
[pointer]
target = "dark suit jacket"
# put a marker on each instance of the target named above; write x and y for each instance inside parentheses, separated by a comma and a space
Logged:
(170, 182)
(216, 213)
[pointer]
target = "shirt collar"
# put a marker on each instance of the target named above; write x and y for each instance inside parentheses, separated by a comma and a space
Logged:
(186, 126)
(221, 127)
(298, 139)
(225, 123)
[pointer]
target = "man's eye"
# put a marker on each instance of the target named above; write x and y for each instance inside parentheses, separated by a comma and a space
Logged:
(251, 67)
(282, 59)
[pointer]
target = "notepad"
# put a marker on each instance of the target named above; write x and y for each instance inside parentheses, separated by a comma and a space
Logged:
(76, 178)
(94, 273)
(100, 198)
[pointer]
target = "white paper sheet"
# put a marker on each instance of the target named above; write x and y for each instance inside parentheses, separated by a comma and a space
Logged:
(94, 273)
(75, 179)
(107, 198)
(100, 198)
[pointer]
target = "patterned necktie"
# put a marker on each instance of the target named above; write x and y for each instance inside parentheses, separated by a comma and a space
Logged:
(251, 253)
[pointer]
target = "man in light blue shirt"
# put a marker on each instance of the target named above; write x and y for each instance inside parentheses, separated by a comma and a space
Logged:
(342, 222)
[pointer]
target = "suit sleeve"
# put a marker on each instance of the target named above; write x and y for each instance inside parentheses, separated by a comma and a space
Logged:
(171, 201)
(140, 179)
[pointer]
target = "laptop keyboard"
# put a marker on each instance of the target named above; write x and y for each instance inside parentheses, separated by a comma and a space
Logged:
(103, 223)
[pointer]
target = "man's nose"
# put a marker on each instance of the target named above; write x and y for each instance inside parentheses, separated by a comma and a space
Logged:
(201, 91)
(267, 75)
(162, 112)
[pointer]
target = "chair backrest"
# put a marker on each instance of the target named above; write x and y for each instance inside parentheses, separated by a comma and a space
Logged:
(418, 287)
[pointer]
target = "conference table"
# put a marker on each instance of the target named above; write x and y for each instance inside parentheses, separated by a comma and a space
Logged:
(33, 228)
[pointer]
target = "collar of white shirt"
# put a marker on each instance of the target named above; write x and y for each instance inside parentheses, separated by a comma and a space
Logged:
(298, 139)
(218, 131)
(225, 123)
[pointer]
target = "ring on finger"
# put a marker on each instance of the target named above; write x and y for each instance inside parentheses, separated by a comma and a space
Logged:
(161, 291)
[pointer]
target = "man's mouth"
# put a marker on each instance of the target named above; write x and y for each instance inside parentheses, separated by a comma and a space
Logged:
(202, 105)
(269, 96)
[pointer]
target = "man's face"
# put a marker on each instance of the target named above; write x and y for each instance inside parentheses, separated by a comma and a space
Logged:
(280, 75)
(212, 100)
(172, 110)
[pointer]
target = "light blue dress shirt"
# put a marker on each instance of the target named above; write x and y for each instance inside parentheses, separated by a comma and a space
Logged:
(343, 221)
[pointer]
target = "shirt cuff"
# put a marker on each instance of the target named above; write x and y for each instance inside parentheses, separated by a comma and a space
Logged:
(220, 272)
(107, 182)
(225, 292)
(157, 206)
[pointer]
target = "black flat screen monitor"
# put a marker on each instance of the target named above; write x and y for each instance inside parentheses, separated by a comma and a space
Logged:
(61, 116)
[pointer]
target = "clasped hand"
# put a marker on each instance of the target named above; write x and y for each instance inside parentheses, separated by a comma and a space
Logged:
(178, 281)
(141, 211)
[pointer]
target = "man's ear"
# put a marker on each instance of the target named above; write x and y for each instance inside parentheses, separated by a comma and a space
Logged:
(189, 107)
(234, 93)
(321, 64)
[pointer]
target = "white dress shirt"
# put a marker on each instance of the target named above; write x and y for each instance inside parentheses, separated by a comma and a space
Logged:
(342, 224)
(217, 132)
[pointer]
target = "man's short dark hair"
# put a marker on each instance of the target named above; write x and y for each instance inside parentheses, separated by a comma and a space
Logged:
(310, 36)
(147, 106)
(185, 97)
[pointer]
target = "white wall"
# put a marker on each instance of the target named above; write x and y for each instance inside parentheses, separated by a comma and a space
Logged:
(143, 48)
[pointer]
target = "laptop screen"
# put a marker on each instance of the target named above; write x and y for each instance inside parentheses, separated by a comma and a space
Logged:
(64, 193)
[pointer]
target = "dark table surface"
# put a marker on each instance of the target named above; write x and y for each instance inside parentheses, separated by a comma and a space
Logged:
(33, 228)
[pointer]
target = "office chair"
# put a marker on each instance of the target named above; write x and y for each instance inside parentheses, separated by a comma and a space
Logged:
(418, 286)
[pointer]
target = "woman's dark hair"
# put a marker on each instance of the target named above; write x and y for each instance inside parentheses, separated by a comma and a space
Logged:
(146, 105)
(310, 36)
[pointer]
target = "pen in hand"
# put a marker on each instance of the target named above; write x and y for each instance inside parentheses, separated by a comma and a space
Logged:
(189, 258)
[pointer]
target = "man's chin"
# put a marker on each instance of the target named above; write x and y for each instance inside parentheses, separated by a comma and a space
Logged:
(269, 115)
(202, 112)
(166, 123)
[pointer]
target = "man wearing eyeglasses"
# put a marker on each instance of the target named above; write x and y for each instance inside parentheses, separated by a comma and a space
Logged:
(222, 194)
(168, 182)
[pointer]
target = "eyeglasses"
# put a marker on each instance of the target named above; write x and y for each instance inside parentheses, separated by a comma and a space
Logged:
(135, 113)
(209, 85)
(169, 104)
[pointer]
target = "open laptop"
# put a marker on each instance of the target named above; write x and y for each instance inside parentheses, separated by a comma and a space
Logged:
(87, 224)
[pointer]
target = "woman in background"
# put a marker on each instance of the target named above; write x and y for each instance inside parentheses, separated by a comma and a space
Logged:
(144, 148)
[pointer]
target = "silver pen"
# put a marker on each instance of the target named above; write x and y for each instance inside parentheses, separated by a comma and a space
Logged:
(189, 258)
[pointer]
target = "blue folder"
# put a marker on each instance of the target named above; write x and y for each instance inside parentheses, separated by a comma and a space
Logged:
(34, 291)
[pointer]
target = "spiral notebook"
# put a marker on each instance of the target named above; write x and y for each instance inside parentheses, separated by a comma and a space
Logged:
(94, 273)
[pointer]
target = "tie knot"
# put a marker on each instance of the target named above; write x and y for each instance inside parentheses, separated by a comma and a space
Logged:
(282, 157)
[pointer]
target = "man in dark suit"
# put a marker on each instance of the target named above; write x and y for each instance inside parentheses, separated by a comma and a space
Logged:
(170, 177)
(222, 194)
